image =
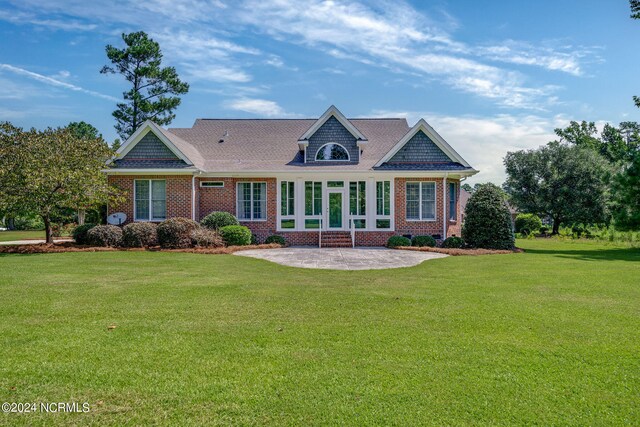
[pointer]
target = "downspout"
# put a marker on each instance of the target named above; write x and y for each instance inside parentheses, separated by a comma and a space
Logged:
(193, 195)
(444, 206)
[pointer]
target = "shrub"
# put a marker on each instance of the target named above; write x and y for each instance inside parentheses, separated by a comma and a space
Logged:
(423, 241)
(79, 233)
(528, 223)
(217, 220)
(275, 239)
(205, 238)
(140, 235)
(28, 222)
(236, 235)
(105, 235)
(175, 233)
(254, 239)
(487, 220)
(453, 242)
(395, 241)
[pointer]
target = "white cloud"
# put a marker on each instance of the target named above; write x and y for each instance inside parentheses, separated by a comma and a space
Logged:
(484, 141)
(54, 82)
(259, 107)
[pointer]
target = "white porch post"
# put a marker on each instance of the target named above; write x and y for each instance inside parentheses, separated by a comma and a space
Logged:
(444, 206)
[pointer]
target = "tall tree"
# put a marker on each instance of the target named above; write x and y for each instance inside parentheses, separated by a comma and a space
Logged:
(44, 171)
(84, 130)
(583, 134)
(635, 14)
(568, 183)
(149, 97)
(626, 197)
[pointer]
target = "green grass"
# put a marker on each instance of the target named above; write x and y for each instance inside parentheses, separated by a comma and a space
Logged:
(6, 236)
(546, 337)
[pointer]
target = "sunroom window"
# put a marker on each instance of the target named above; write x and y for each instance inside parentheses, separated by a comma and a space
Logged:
(150, 200)
(332, 152)
(358, 203)
(383, 204)
(312, 204)
(453, 201)
(287, 204)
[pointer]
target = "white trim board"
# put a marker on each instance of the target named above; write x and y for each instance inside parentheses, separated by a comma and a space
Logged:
(423, 126)
(140, 133)
(333, 111)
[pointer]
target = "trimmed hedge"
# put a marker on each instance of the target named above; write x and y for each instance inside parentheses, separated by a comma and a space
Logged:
(528, 223)
(453, 242)
(217, 220)
(205, 238)
(175, 233)
(236, 235)
(423, 241)
(140, 235)
(105, 235)
(276, 239)
(79, 233)
(487, 221)
(395, 241)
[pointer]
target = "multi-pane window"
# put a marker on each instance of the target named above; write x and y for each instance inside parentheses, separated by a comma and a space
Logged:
(332, 152)
(358, 202)
(312, 203)
(453, 201)
(421, 201)
(383, 204)
(150, 200)
(252, 201)
(287, 204)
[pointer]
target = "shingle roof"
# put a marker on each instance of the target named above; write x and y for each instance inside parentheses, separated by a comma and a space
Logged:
(271, 144)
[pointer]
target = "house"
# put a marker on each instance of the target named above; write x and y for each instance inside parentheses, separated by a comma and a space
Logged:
(325, 180)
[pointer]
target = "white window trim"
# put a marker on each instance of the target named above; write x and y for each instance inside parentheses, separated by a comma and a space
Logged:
(282, 217)
(315, 158)
(135, 201)
(211, 186)
(266, 199)
(377, 216)
(435, 201)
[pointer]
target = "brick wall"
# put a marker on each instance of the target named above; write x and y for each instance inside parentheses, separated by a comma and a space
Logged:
(224, 199)
(178, 194)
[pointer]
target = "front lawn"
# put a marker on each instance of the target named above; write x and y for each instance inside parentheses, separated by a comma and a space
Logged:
(6, 236)
(546, 337)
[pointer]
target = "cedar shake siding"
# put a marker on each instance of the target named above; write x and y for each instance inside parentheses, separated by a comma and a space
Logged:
(150, 152)
(332, 131)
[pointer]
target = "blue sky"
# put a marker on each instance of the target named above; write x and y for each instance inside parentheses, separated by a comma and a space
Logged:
(488, 76)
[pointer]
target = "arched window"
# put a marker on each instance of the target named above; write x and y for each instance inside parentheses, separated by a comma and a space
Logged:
(332, 152)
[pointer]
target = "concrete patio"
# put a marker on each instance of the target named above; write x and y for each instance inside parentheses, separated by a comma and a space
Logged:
(342, 258)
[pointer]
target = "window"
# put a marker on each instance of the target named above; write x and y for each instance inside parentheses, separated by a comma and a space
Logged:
(421, 201)
(453, 202)
(332, 152)
(287, 204)
(312, 203)
(252, 201)
(357, 202)
(150, 199)
(211, 184)
(383, 204)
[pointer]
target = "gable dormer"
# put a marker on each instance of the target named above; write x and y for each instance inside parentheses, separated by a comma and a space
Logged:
(422, 148)
(332, 139)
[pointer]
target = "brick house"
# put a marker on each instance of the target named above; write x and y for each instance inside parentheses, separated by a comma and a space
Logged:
(312, 181)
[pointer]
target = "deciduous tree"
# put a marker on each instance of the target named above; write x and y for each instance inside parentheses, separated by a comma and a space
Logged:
(45, 171)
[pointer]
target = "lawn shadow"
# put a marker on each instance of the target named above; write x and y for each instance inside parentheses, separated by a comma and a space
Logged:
(613, 254)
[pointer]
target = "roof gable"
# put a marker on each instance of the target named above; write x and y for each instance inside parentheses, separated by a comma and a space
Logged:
(150, 145)
(430, 147)
(332, 112)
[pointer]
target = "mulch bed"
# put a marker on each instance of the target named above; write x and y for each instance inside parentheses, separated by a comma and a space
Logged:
(60, 247)
(459, 252)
